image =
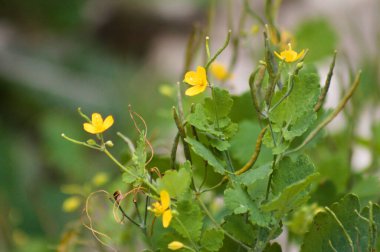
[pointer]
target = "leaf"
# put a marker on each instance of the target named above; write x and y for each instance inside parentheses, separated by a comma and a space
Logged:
(212, 240)
(220, 104)
(239, 228)
(238, 201)
(191, 217)
(212, 115)
(325, 232)
(274, 247)
(255, 174)
(176, 182)
(288, 172)
(291, 197)
(200, 120)
(221, 145)
(375, 229)
(300, 126)
(299, 103)
(206, 154)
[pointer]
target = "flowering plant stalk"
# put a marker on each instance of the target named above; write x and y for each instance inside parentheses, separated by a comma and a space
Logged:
(257, 165)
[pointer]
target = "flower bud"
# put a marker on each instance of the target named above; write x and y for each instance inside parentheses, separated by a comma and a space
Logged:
(109, 143)
(91, 142)
(299, 65)
(175, 245)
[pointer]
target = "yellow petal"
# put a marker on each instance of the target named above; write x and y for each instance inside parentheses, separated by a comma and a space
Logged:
(201, 71)
(300, 55)
(100, 179)
(108, 122)
(165, 199)
(89, 128)
(219, 71)
(195, 90)
(278, 55)
(192, 78)
(71, 204)
(166, 218)
(97, 120)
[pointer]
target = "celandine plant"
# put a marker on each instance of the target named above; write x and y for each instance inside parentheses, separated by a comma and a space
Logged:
(247, 176)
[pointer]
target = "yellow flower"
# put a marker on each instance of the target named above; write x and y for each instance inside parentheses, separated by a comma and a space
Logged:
(289, 55)
(220, 72)
(163, 208)
(175, 245)
(71, 204)
(198, 80)
(97, 124)
(100, 179)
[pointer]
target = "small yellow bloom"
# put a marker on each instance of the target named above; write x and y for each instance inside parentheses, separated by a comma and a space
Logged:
(100, 179)
(71, 204)
(175, 245)
(97, 124)
(163, 208)
(220, 72)
(196, 79)
(289, 55)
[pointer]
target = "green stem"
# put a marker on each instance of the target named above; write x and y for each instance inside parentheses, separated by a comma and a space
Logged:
(95, 147)
(173, 154)
(252, 13)
(290, 88)
(322, 97)
(270, 178)
(150, 185)
(220, 50)
(218, 226)
(125, 215)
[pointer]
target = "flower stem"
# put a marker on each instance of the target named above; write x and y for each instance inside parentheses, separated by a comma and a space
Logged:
(150, 185)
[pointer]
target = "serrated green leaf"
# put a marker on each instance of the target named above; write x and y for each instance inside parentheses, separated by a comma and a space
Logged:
(206, 154)
(300, 126)
(176, 182)
(200, 120)
(219, 105)
(238, 201)
(212, 240)
(220, 145)
(191, 217)
(212, 116)
(288, 172)
(238, 226)
(325, 233)
(255, 174)
(290, 197)
(301, 100)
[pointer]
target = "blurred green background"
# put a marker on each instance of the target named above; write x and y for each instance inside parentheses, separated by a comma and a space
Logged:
(56, 56)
